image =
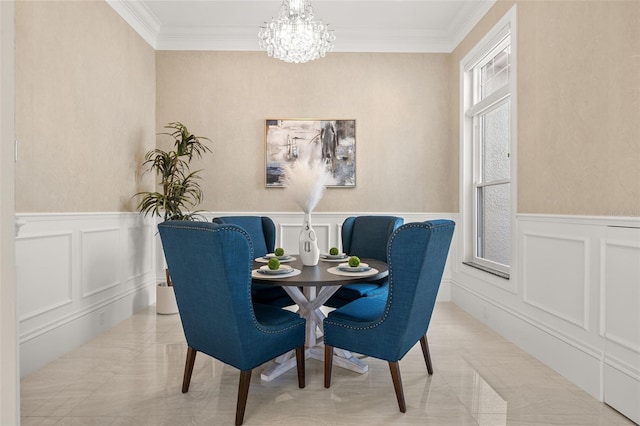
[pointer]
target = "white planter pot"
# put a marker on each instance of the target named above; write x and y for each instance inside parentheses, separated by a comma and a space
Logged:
(165, 300)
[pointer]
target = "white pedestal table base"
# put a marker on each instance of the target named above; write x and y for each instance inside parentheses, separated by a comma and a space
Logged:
(309, 302)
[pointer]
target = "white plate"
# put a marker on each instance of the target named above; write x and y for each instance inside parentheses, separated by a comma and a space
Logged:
(283, 257)
(284, 269)
(335, 271)
(267, 259)
(362, 267)
(334, 256)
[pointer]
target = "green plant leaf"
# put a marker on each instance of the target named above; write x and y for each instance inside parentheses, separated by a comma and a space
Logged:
(180, 187)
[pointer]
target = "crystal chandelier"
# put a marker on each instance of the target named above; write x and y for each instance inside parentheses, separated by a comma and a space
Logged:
(295, 35)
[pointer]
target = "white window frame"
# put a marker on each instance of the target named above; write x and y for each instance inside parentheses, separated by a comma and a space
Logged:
(493, 40)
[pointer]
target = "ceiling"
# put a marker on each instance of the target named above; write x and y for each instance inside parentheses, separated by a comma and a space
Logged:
(359, 25)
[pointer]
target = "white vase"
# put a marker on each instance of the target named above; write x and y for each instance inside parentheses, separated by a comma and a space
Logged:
(308, 243)
(165, 300)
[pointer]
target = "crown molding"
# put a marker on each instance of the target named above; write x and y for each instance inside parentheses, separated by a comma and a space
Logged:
(208, 38)
(143, 21)
(246, 39)
(139, 17)
(467, 19)
(391, 41)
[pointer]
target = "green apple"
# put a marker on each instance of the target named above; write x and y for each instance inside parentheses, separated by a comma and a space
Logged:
(354, 261)
(274, 264)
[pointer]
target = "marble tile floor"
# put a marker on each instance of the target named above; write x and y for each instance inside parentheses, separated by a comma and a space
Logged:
(132, 374)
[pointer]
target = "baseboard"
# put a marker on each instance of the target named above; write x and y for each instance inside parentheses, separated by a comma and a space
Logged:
(572, 301)
(577, 362)
(53, 341)
(79, 274)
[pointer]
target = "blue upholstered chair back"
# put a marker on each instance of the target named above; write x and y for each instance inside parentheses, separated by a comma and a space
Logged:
(416, 256)
(210, 266)
(262, 232)
(261, 229)
(367, 236)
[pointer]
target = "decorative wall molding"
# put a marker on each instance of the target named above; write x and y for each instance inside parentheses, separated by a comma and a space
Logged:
(555, 333)
(556, 275)
(63, 320)
(602, 221)
(244, 38)
(620, 318)
(576, 359)
(289, 234)
(140, 262)
(577, 304)
(622, 366)
(466, 20)
(79, 274)
(621, 262)
(622, 390)
(140, 18)
(99, 260)
(43, 272)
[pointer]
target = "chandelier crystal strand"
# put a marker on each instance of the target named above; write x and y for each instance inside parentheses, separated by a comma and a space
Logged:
(295, 35)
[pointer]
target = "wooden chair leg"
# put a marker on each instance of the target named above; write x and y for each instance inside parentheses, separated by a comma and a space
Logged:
(328, 364)
(243, 393)
(188, 368)
(397, 384)
(427, 355)
(301, 368)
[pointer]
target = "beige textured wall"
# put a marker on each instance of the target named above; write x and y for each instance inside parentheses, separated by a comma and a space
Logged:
(578, 105)
(399, 101)
(86, 94)
(85, 107)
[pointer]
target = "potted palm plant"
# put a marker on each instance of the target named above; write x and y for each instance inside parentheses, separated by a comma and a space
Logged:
(179, 191)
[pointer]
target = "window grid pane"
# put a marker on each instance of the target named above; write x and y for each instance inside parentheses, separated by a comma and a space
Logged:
(496, 72)
(494, 144)
(494, 225)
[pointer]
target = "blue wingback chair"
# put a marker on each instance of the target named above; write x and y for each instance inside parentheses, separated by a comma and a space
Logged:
(262, 231)
(365, 236)
(210, 266)
(387, 329)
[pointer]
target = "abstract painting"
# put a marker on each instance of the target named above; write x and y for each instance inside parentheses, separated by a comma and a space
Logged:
(331, 141)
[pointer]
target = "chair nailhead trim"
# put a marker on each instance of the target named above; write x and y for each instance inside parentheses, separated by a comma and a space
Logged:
(390, 300)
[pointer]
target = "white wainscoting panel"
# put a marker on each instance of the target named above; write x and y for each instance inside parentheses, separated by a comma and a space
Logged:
(620, 320)
(44, 273)
(79, 274)
(576, 305)
(621, 292)
(140, 255)
(289, 235)
(99, 260)
(556, 275)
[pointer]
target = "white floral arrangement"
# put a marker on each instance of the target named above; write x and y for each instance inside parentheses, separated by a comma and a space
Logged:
(306, 180)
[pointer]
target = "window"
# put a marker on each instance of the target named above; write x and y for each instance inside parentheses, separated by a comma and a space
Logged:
(488, 146)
